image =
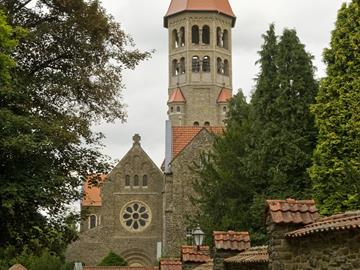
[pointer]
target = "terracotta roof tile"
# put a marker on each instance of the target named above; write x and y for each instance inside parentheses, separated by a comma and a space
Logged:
(178, 6)
(252, 255)
(118, 268)
(224, 96)
(170, 264)
(340, 222)
(177, 96)
(292, 211)
(17, 267)
(205, 266)
(92, 194)
(195, 254)
(232, 240)
(183, 135)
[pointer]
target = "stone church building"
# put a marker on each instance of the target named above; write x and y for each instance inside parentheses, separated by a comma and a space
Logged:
(140, 211)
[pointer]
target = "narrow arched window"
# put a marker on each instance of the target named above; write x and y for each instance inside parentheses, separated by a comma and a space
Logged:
(218, 37)
(175, 67)
(178, 109)
(196, 124)
(136, 181)
(206, 124)
(182, 65)
(226, 68)
(195, 34)
(226, 39)
(172, 109)
(127, 180)
(195, 64)
(206, 64)
(145, 181)
(92, 221)
(206, 34)
(219, 66)
(182, 36)
(175, 38)
(224, 109)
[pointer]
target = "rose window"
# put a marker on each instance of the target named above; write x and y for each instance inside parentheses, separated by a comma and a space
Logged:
(135, 216)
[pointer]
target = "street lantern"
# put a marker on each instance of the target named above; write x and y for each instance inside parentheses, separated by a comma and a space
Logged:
(198, 235)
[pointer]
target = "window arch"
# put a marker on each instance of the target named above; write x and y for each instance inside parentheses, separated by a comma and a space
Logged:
(225, 39)
(182, 65)
(195, 34)
(175, 67)
(219, 37)
(206, 64)
(207, 124)
(224, 109)
(136, 181)
(226, 68)
(145, 181)
(175, 38)
(178, 109)
(127, 180)
(219, 66)
(206, 34)
(92, 221)
(172, 109)
(196, 123)
(195, 64)
(182, 36)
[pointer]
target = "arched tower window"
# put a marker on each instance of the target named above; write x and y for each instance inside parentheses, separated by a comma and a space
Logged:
(92, 221)
(175, 38)
(195, 34)
(145, 181)
(219, 66)
(206, 64)
(127, 180)
(195, 64)
(182, 36)
(224, 109)
(206, 34)
(136, 181)
(178, 109)
(182, 65)
(206, 124)
(219, 37)
(225, 39)
(175, 67)
(196, 123)
(226, 68)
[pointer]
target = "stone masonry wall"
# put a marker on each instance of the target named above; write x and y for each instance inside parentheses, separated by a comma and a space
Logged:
(220, 255)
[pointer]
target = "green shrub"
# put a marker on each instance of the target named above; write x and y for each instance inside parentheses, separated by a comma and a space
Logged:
(112, 259)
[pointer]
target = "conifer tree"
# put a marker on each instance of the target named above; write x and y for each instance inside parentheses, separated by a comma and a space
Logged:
(335, 173)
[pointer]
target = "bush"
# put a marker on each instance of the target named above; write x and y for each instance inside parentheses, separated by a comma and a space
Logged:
(112, 259)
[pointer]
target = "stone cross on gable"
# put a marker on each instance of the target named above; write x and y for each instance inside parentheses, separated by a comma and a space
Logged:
(136, 139)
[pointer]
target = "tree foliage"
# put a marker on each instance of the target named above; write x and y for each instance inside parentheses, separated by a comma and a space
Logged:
(268, 144)
(68, 76)
(112, 259)
(336, 170)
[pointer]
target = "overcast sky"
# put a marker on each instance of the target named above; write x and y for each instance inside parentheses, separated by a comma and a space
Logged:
(146, 87)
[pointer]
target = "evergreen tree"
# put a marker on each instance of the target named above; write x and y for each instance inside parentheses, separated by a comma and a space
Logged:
(335, 173)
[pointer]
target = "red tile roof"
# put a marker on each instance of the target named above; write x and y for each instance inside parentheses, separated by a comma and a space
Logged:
(220, 6)
(224, 96)
(340, 222)
(292, 211)
(177, 96)
(92, 194)
(170, 264)
(17, 267)
(252, 255)
(183, 135)
(118, 268)
(195, 254)
(232, 240)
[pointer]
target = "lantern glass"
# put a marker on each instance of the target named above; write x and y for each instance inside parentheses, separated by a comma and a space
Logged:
(198, 236)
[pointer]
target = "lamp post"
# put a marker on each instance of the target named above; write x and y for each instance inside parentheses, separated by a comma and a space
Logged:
(198, 235)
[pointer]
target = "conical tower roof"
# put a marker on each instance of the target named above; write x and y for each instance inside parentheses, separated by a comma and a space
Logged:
(220, 6)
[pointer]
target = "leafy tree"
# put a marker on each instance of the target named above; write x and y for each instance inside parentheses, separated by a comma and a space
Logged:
(112, 259)
(268, 144)
(335, 173)
(68, 77)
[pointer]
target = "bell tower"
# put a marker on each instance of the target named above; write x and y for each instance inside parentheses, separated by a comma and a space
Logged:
(200, 61)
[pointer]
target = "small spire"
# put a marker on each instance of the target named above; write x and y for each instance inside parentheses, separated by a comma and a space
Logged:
(136, 139)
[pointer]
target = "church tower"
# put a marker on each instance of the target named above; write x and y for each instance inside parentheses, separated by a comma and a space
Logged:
(200, 61)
